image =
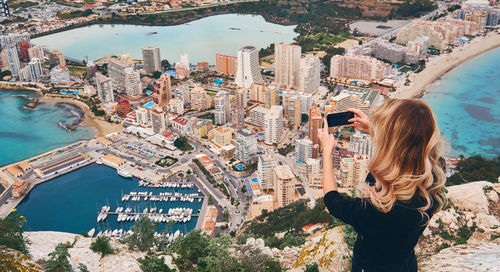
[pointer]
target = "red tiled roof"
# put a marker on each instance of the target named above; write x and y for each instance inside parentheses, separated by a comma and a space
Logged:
(180, 121)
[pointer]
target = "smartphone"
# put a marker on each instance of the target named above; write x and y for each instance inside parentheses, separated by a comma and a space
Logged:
(339, 119)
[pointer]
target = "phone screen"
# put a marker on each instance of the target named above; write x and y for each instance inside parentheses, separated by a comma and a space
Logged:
(339, 119)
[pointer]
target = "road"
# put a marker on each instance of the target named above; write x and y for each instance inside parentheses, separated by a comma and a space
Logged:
(195, 8)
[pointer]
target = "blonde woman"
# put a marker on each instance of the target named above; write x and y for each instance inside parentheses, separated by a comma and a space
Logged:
(403, 188)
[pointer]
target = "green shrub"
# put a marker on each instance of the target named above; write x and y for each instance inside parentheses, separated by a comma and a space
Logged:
(102, 245)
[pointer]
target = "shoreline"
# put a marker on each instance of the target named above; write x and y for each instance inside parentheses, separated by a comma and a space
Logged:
(439, 66)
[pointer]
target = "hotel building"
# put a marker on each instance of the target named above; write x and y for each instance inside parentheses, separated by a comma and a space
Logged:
(226, 65)
(104, 88)
(310, 77)
(248, 71)
(151, 58)
(287, 65)
(162, 92)
(133, 85)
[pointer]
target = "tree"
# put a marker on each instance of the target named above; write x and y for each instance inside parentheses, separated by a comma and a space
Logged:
(153, 264)
(101, 245)
(190, 249)
(11, 233)
(143, 235)
(156, 74)
(475, 168)
(312, 267)
(253, 259)
(58, 261)
(165, 64)
(83, 268)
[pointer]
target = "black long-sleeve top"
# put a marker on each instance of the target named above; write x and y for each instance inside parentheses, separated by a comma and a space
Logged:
(385, 241)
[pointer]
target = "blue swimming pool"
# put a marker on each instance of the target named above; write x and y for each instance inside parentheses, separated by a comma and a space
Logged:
(148, 92)
(299, 162)
(260, 134)
(240, 166)
(68, 92)
(117, 118)
(149, 105)
(255, 180)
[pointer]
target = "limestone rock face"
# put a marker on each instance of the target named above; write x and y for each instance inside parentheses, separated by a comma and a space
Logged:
(13, 260)
(326, 248)
(477, 257)
(470, 196)
(44, 242)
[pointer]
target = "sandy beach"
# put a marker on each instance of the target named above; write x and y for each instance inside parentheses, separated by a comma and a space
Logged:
(103, 127)
(440, 65)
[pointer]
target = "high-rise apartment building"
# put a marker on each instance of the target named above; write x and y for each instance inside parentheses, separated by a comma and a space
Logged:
(200, 100)
(258, 93)
(151, 58)
(223, 136)
(242, 97)
(284, 182)
(315, 121)
(238, 116)
(36, 52)
(305, 102)
(182, 92)
(57, 58)
(361, 144)
(273, 125)
(14, 62)
(265, 166)
(272, 97)
(314, 173)
(12, 40)
(353, 170)
(24, 74)
(222, 112)
(158, 120)
(116, 71)
(303, 149)
(287, 65)
(310, 77)
(176, 105)
(143, 117)
(226, 65)
(91, 69)
(35, 69)
(23, 50)
(133, 85)
(162, 91)
(246, 146)
(4, 9)
(293, 111)
(60, 75)
(248, 71)
(358, 67)
(257, 115)
(104, 88)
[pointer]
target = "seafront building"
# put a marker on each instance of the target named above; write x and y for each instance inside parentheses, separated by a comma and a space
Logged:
(310, 77)
(183, 68)
(133, 86)
(13, 61)
(36, 52)
(12, 40)
(162, 90)
(284, 185)
(246, 146)
(396, 53)
(358, 67)
(287, 65)
(60, 75)
(104, 88)
(151, 58)
(225, 65)
(273, 125)
(57, 58)
(35, 69)
(116, 71)
(248, 69)
(222, 112)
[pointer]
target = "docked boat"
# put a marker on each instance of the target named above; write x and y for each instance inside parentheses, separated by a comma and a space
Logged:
(124, 173)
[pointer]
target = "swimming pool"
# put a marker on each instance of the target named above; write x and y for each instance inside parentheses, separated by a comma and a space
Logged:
(149, 105)
(240, 166)
(260, 134)
(148, 92)
(255, 180)
(117, 118)
(68, 92)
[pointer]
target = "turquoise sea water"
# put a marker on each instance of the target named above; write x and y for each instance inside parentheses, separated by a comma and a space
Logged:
(201, 39)
(71, 203)
(467, 104)
(25, 133)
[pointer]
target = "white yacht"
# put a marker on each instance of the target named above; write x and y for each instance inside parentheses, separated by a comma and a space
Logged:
(124, 173)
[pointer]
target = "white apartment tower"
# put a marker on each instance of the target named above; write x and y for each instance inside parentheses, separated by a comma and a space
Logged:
(273, 125)
(14, 63)
(222, 111)
(36, 52)
(248, 70)
(133, 85)
(309, 74)
(266, 164)
(151, 58)
(104, 88)
(303, 149)
(287, 65)
(246, 146)
(35, 69)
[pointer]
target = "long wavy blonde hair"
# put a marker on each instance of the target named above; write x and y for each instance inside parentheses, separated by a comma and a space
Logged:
(407, 155)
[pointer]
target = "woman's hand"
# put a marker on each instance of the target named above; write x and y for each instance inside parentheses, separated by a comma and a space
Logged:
(326, 139)
(361, 121)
